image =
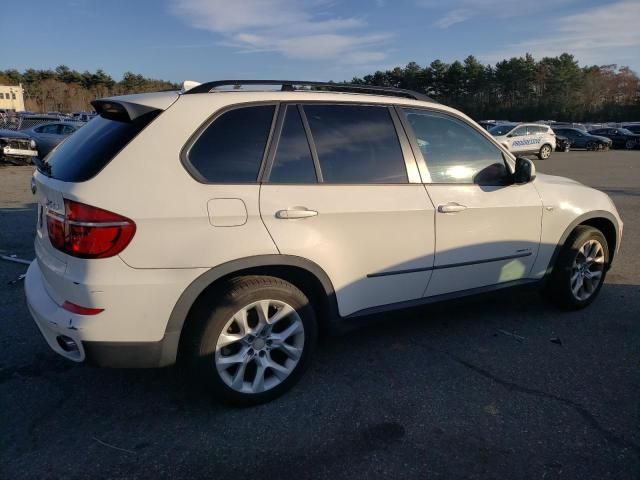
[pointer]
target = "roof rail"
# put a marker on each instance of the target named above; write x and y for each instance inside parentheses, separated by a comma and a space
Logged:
(289, 86)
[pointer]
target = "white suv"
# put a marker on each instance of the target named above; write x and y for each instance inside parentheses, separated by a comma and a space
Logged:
(526, 138)
(228, 228)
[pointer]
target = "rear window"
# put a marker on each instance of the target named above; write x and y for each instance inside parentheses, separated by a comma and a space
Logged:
(92, 147)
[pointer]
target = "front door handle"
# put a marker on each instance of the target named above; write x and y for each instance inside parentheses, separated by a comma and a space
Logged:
(296, 212)
(451, 207)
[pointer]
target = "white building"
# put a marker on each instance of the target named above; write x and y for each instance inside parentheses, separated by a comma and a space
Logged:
(11, 97)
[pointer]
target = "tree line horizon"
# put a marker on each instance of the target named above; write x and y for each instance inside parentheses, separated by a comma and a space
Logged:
(517, 89)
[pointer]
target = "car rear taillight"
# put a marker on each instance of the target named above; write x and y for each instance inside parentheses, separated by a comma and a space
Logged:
(89, 232)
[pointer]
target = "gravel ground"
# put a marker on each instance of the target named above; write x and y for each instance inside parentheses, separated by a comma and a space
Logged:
(437, 392)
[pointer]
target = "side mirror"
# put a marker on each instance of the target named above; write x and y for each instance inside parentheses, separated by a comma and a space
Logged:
(510, 135)
(525, 171)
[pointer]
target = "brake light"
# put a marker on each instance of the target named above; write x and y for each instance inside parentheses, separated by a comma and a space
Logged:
(89, 232)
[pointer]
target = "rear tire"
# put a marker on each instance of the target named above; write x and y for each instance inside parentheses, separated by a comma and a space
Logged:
(630, 144)
(545, 152)
(580, 269)
(591, 146)
(254, 341)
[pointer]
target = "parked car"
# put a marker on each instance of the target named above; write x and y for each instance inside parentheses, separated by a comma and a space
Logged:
(16, 147)
(26, 122)
(621, 137)
(82, 116)
(49, 135)
(578, 126)
(526, 138)
(580, 139)
(228, 229)
(563, 144)
(632, 127)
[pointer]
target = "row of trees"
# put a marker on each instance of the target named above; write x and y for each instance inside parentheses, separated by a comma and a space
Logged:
(521, 88)
(67, 90)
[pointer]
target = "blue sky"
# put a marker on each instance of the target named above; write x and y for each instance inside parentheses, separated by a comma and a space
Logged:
(313, 39)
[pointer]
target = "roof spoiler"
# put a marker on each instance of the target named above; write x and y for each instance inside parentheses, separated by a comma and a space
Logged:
(121, 111)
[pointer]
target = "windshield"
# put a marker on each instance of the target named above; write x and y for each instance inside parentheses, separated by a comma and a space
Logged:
(499, 130)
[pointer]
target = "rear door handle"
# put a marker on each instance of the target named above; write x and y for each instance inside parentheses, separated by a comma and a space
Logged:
(296, 212)
(451, 207)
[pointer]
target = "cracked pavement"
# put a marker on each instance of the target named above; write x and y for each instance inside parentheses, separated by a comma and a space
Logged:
(436, 392)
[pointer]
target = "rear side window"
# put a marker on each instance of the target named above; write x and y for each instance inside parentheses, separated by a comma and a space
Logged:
(293, 162)
(230, 149)
(356, 144)
(84, 154)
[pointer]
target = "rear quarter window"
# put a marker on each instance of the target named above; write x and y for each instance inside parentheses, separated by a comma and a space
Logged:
(231, 148)
(92, 147)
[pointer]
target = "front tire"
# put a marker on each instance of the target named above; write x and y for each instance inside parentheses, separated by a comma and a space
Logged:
(545, 152)
(630, 144)
(580, 269)
(253, 342)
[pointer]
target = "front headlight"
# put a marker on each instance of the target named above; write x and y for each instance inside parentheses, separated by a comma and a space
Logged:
(32, 143)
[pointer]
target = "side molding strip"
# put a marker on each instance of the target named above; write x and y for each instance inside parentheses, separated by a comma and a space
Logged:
(450, 265)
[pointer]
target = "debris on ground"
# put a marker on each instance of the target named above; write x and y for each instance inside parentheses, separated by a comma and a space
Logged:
(511, 334)
(14, 258)
(556, 340)
(16, 280)
(113, 446)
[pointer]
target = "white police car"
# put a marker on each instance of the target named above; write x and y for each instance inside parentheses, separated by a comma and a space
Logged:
(526, 138)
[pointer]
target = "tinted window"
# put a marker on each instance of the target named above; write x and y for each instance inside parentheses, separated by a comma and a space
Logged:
(519, 132)
(50, 129)
(455, 152)
(66, 130)
(356, 144)
(500, 130)
(230, 150)
(293, 162)
(83, 155)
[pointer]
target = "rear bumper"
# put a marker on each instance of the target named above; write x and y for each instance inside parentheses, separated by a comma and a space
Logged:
(56, 323)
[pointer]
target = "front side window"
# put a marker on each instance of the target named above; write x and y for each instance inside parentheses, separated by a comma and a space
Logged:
(356, 144)
(500, 130)
(454, 151)
(230, 149)
(293, 162)
(519, 132)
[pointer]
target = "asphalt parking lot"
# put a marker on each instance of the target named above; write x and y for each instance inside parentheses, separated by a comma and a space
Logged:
(471, 389)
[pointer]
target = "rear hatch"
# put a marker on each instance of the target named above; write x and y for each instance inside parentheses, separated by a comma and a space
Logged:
(80, 158)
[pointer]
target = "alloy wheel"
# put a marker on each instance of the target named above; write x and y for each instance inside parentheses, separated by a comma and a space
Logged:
(260, 346)
(545, 151)
(587, 270)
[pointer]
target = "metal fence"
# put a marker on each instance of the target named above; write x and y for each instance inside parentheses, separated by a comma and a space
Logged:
(18, 122)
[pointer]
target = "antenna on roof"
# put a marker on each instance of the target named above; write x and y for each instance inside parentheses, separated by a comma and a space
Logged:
(188, 85)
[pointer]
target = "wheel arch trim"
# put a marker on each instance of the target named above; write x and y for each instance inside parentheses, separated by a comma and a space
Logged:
(592, 215)
(188, 297)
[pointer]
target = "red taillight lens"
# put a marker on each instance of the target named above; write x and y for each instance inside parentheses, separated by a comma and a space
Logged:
(89, 232)
(73, 308)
